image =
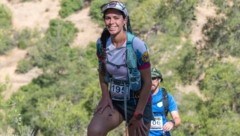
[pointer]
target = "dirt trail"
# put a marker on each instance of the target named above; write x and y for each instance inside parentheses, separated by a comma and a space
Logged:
(88, 31)
(36, 15)
(31, 15)
(8, 65)
(203, 11)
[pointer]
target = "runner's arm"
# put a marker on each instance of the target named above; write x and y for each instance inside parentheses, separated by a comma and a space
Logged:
(103, 85)
(145, 91)
(176, 118)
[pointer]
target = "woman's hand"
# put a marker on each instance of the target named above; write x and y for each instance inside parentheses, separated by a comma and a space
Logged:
(103, 104)
(137, 127)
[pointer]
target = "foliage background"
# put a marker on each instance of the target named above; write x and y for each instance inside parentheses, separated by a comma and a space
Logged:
(61, 101)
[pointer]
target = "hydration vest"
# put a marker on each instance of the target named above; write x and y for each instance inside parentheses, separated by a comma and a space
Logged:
(134, 76)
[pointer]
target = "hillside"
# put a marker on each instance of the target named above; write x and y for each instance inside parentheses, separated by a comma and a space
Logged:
(203, 12)
(41, 13)
(48, 72)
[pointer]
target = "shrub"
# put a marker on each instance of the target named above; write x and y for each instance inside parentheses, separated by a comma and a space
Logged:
(6, 42)
(143, 17)
(95, 11)
(5, 17)
(25, 38)
(70, 6)
(60, 32)
(24, 66)
(223, 35)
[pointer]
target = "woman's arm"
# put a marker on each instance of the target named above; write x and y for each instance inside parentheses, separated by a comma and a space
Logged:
(145, 91)
(103, 85)
(105, 100)
(136, 125)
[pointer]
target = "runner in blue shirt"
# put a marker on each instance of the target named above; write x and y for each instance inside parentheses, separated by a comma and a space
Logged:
(161, 126)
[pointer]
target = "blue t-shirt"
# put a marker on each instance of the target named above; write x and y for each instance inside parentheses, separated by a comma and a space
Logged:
(158, 112)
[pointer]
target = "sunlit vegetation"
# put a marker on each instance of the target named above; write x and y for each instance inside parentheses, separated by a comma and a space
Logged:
(5, 17)
(61, 101)
(68, 7)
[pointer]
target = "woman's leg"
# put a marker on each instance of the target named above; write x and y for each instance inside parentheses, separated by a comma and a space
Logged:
(102, 123)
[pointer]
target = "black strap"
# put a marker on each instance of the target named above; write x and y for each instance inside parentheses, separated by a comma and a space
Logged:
(104, 37)
(165, 101)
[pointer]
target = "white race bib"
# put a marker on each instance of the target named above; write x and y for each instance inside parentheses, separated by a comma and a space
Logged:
(119, 91)
(157, 124)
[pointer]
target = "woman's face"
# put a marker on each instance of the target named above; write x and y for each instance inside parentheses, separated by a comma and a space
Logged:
(114, 21)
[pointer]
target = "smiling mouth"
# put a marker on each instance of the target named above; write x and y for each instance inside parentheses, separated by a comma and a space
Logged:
(111, 27)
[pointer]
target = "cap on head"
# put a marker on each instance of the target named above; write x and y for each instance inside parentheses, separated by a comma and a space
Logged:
(115, 5)
(156, 73)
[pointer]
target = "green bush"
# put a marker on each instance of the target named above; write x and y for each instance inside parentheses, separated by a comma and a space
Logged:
(60, 32)
(70, 6)
(174, 17)
(2, 121)
(43, 104)
(53, 49)
(221, 87)
(24, 66)
(95, 10)
(6, 42)
(5, 17)
(223, 34)
(21, 39)
(2, 88)
(25, 38)
(50, 104)
(143, 16)
(171, 17)
(187, 69)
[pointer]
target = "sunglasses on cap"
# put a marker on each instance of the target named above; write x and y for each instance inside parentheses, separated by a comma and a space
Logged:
(155, 78)
(115, 5)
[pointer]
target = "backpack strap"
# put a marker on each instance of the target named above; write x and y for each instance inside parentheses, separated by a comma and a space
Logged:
(131, 55)
(131, 59)
(134, 75)
(165, 101)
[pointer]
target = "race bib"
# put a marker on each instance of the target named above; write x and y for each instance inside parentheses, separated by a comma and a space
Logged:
(118, 91)
(157, 124)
